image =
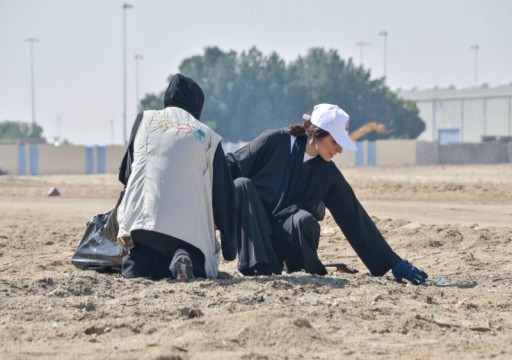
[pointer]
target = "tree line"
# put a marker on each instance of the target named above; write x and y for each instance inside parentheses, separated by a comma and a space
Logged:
(12, 131)
(249, 92)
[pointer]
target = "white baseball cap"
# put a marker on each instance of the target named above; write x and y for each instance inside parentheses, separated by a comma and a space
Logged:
(334, 120)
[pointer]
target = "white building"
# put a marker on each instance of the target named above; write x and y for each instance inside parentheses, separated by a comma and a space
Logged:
(472, 114)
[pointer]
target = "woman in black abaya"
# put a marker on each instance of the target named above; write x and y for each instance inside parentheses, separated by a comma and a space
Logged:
(284, 179)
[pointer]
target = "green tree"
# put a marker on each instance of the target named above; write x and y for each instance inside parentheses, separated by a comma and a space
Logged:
(11, 131)
(244, 93)
(152, 102)
(329, 79)
(217, 74)
(249, 92)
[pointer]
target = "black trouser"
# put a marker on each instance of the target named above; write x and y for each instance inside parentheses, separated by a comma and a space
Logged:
(152, 254)
(265, 243)
(298, 237)
(255, 251)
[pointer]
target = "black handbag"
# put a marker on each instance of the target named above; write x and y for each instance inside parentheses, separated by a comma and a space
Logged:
(98, 250)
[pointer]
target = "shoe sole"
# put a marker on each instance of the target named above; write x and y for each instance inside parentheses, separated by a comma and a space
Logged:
(183, 269)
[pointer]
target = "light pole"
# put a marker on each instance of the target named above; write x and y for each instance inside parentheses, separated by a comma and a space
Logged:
(138, 57)
(476, 48)
(125, 7)
(384, 34)
(112, 131)
(31, 42)
(58, 139)
(361, 45)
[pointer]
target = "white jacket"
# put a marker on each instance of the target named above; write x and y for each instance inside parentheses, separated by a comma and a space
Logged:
(170, 188)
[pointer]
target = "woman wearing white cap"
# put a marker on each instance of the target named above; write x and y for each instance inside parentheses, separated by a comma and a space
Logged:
(284, 180)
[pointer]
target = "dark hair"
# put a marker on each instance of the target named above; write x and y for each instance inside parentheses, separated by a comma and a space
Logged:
(307, 129)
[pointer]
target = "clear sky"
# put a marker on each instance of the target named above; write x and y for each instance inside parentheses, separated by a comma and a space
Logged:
(78, 59)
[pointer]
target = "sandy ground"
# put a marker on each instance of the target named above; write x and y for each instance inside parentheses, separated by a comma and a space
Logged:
(455, 222)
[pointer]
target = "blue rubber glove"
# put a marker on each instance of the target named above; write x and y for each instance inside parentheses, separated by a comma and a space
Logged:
(405, 270)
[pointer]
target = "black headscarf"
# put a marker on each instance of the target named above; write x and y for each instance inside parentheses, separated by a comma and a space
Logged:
(183, 92)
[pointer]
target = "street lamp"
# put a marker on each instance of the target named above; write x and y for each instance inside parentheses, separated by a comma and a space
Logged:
(137, 59)
(476, 48)
(125, 7)
(384, 34)
(112, 131)
(361, 45)
(31, 42)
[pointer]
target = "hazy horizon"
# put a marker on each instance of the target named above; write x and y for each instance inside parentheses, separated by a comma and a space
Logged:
(78, 59)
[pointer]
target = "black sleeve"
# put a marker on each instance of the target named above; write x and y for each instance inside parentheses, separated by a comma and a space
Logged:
(224, 204)
(125, 169)
(357, 226)
(244, 161)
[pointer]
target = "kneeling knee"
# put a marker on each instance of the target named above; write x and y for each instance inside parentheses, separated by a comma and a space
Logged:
(308, 222)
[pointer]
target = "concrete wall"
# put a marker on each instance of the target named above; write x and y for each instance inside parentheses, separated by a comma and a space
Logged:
(477, 153)
(58, 160)
(345, 159)
(9, 160)
(114, 156)
(379, 153)
(396, 152)
(230, 147)
(44, 159)
(427, 153)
